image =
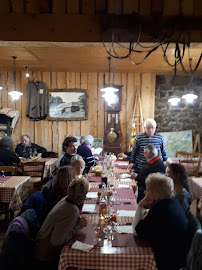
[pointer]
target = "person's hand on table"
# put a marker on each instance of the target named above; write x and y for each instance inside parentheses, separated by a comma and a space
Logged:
(131, 165)
(83, 221)
(121, 155)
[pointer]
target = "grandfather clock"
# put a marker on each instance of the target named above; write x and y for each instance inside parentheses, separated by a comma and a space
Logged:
(113, 135)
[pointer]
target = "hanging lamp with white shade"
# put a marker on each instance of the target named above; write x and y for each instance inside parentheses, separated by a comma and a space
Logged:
(15, 94)
(109, 90)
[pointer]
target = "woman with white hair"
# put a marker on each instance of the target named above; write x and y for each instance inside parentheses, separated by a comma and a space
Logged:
(78, 164)
(165, 226)
(60, 225)
(85, 151)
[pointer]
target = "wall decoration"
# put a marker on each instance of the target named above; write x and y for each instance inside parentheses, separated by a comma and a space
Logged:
(67, 104)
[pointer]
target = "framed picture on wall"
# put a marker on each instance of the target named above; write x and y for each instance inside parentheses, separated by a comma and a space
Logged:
(67, 104)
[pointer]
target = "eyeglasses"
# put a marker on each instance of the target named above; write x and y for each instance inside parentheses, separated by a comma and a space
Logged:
(150, 128)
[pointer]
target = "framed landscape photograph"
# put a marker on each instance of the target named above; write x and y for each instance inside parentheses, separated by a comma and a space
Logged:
(67, 104)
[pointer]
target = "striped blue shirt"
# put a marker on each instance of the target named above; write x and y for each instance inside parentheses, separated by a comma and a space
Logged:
(137, 154)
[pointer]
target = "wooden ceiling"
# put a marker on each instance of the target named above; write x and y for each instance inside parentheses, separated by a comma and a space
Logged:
(87, 57)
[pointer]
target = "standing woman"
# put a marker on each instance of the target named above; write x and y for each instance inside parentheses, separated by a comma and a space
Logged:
(181, 191)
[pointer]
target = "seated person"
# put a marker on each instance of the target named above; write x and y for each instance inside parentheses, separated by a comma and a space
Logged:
(61, 224)
(69, 148)
(165, 226)
(7, 157)
(181, 191)
(78, 164)
(26, 147)
(84, 150)
(153, 164)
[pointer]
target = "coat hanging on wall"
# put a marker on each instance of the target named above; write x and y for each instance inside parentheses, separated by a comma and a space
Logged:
(37, 100)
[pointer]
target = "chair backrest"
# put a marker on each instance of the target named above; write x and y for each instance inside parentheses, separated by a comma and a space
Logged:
(10, 169)
(194, 258)
(192, 166)
(35, 169)
(49, 154)
(183, 154)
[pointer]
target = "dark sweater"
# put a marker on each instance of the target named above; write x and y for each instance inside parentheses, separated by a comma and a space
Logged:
(87, 156)
(166, 228)
(155, 165)
(25, 151)
(7, 157)
(66, 159)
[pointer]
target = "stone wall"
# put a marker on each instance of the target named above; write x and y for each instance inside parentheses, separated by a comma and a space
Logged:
(184, 116)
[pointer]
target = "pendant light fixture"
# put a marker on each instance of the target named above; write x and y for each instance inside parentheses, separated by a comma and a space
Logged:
(27, 75)
(109, 90)
(15, 94)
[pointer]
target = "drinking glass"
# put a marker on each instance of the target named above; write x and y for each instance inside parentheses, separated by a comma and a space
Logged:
(97, 232)
(2, 174)
(30, 153)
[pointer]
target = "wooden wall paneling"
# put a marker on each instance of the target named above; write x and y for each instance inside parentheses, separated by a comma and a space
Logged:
(130, 96)
(47, 132)
(171, 7)
(18, 126)
(197, 8)
(77, 124)
(39, 139)
(1, 91)
(32, 6)
(45, 6)
(130, 6)
(71, 84)
(115, 7)
(138, 88)
(148, 95)
(25, 120)
(123, 113)
(157, 7)
(145, 7)
(153, 87)
(4, 78)
(17, 6)
(187, 7)
(62, 125)
(72, 6)
(58, 7)
(92, 101)
(5, 7)
(100, 6)
(88, 7)
(85, 123)
(10, 84)
(55, 145)
(100, 115)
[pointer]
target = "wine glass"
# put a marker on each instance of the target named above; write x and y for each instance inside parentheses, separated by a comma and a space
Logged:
(97, 231)
(2, 174)
(30, 153)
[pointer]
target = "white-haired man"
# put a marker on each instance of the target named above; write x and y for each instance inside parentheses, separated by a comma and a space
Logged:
(148, 137)
(84, 150)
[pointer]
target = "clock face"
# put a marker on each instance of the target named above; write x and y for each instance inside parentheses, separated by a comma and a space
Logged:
(114, 101)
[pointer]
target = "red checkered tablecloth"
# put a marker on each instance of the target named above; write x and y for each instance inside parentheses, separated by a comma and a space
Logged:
(126, 258)
(14, 190)
(195, 186)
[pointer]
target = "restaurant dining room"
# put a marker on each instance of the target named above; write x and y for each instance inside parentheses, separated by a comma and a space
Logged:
(100, 134)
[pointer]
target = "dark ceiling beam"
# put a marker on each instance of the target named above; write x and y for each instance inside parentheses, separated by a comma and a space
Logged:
(83, 28)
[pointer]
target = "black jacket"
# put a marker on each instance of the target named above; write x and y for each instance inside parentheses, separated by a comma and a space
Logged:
(25, 151)
(7, 157)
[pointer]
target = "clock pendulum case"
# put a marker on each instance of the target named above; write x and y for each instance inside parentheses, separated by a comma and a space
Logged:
(113, 135)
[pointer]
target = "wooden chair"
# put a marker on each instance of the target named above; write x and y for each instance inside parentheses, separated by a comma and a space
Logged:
(192, 166)
(8, 169)
(36, 171)
(50, 154)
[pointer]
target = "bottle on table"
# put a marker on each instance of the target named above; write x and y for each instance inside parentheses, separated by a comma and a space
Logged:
(103, 205)
(35, 152)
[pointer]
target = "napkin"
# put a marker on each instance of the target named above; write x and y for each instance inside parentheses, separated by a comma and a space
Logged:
(126, 180)
(124, 175)
(122, 163)
(88, 208)
(124, 229)
(123, 186)
(126, 213)
(91, 195)
(82, 246)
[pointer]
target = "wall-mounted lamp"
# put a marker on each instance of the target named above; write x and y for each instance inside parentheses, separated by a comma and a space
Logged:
(174, 101)
(27, 75)
(190, 97)
(15, 94)
(108, 90)
(1, 87)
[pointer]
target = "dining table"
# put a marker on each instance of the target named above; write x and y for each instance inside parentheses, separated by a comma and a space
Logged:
(13, 191)
(123, 250)
(195, 187)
